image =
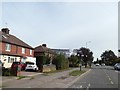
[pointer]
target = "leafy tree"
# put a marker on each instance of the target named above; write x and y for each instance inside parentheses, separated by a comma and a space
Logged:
(61, 62)
(86, 55)
(74, 60)
(108, 57)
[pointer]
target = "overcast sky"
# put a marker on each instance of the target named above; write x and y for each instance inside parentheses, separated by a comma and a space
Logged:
(64, 24)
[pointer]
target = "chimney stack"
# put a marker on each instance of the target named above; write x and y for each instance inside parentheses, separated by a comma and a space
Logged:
(44, 45)
(5, 30)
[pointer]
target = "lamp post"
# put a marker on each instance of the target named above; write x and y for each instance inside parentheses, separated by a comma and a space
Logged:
(80, 54)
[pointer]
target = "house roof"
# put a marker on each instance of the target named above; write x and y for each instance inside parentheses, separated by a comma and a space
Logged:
(8, 38)
(41, 49)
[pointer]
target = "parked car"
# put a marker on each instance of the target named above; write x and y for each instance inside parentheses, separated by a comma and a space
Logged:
(31, 66)
(117, 66)
(97, 64)
(103, 64)
(15, 64)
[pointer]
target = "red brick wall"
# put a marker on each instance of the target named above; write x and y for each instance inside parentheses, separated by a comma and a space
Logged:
(0, 46)
(3, 46)
(17, 50)
(13, 49)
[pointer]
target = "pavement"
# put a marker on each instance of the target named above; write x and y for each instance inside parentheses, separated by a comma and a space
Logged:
(51, 80)
(23, 73)
(99, 77)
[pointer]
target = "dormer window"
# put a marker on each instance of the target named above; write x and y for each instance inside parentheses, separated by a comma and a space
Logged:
(23, 50)
(8, 47)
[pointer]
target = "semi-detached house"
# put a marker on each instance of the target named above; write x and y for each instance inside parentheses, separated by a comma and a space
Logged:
(13, 49)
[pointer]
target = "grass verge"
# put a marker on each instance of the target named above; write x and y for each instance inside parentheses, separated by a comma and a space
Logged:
(76, 73)
(21, 77)
(46, 73)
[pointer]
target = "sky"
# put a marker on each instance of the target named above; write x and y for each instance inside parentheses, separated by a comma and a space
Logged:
(64, 24)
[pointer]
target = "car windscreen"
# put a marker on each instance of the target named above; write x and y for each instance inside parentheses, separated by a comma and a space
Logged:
(30, 63)
(118, 64)
(16, 62)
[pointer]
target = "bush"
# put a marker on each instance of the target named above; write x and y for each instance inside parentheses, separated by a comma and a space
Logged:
(40, 61)
(74, 61)
(61, 62)
(6, 72)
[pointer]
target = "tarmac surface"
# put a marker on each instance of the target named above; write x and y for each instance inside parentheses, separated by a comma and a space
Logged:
(39, 80)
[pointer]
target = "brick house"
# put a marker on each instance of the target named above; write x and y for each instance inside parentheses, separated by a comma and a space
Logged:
(13, 49)
(43, 53)
(43, 50)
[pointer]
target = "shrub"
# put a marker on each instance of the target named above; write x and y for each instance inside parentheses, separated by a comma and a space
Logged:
(61, 62)
(74, 61)
(6, 72)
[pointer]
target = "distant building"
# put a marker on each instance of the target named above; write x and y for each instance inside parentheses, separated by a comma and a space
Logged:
(66, 52)
(13, 49)
(75, 51)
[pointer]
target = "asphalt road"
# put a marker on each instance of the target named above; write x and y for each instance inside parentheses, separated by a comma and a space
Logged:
(99, 77)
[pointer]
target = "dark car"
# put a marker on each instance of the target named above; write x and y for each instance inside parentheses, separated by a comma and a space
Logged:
(117, 66)
(21, 64)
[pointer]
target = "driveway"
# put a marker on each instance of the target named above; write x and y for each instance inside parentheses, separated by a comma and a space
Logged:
(22, 73)
(52, 80)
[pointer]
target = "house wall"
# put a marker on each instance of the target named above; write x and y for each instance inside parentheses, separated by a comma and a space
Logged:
(16, 50)
(6, 63)
(15, 54)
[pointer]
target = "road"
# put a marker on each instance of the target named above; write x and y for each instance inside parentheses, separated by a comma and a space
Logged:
(99, 77)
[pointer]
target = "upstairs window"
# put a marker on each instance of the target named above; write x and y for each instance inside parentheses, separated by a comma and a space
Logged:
(23, 50)
(7, 47)
(30, 52)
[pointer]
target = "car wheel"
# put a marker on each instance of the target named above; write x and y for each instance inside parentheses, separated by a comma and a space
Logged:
(35, 69)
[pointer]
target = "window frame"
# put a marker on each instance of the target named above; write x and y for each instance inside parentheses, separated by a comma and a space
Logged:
(7, 47)
(23, 50)
(31, 51)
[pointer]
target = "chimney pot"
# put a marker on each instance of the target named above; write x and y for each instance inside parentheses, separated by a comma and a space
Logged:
(5, 30)
(44, 45)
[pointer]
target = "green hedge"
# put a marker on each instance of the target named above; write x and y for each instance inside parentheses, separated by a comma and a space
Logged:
(61, 62)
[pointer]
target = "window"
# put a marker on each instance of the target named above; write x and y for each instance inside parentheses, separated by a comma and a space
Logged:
(12, 60)
(23, 50)
(15, 59)
(30, 52)
(8, 59)
(8, 47)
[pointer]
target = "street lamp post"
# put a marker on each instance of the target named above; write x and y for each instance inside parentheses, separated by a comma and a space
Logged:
(80, 60)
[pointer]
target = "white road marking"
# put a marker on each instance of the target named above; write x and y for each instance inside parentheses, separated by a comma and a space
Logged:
(87, 88)
(112, 82)
(109, 78)
(80, 86)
